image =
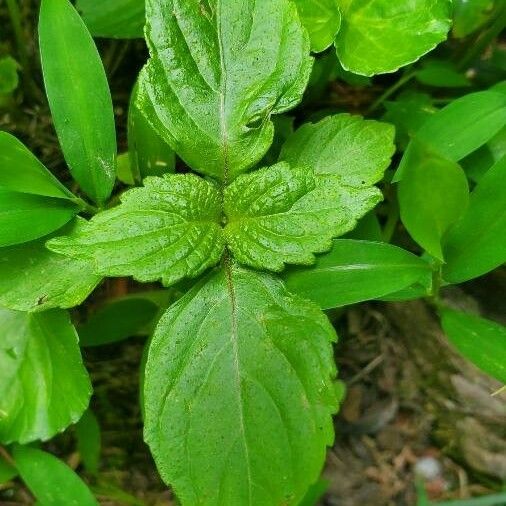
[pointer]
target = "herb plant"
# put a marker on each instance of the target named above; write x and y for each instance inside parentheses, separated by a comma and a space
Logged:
(239, 384)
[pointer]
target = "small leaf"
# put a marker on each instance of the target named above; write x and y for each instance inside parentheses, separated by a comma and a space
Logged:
(355, 271)
(168, 229)
(7, 471)
(118, 19)
(79, 97)
(348, 146)
(32, 278)
(379, 36)
(218, 71)
(322, 20)
(433, 194)
(441, 74)
(44, 386)
(477, 243)
(89, 441)
(240, 373)
(51, 481)
(9, 78)
(481, 341)
(283, 215)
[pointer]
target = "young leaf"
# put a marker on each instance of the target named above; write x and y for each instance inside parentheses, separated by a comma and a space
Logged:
(118, 19)
(168, 229)
(9, 78)
(283, 215)
(79, 97)
(25, 217)
(355, 271)
(322, 20)
(44, 386)
(441, 74)
(240, 373)
(22, 172)
(89, 440)
(229, 67)
(32, 278)
(481, 341)
(476, 244)
(51, 481)
(379, 36)
(433, 194)
(356, 150)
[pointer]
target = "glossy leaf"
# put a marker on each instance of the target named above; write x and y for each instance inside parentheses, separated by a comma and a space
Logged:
(477, 243)
(322, 20)
(89, 441)
(218, 71)
(281, 214)
(240, 373)
(79, 97)
(433, 194)
(356, 150)
(169, 229)
(9, 79)
(25, 217)
(44, 386)
(32, 278)
(379, 36)
(118, 19)
(50, 480)
(481, 341)
(470, 15)
(355, 271)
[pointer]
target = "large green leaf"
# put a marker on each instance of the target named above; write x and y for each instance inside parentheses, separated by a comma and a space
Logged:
(481, 341)
(44, 386)
(51, 481)
(356, 150)
(433, 194)
(283, 215)
(380, 36)
(239, 392)
(354, 271)
(32, 278)
(118, 19)
(217, 72)
(168, 229)
(322, 20)
(476, 244)
(79, 97)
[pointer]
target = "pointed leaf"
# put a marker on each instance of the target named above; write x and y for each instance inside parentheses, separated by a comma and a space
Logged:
(355, 271)
(283, 215)
(79, 97)
(240, 373)
(44, 386)
(50, 480)
(379, 36)
(32, 278)
(168, 229)
(217, 72)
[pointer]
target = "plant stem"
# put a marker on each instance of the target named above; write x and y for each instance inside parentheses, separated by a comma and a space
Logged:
(7, 456)
(390, 91)
(87, 208)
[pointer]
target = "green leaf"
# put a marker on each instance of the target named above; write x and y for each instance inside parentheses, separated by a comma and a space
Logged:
(7, 471)
(356, 150)
(367, 228)
(477, 243)
(231, 65)
(25, 217)
(52, 482)
(460, 128)
(79, 97)
(22, 172)
(169, 229)
(315, 493)
(379, 36)
(240, 374)
(433, 194)
(283, 215)
(9, 78)
(44, 386)
(470, 15)
(89, 441)
(481, 341)
(322, 20)
(118, 19)
(32, 278)
(441, 74)
(117, 320)
(355, 271)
